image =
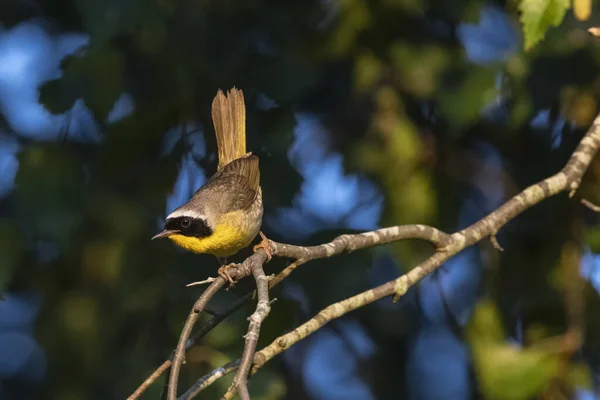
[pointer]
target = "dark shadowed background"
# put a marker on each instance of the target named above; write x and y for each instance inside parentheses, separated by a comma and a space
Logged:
(365, 113)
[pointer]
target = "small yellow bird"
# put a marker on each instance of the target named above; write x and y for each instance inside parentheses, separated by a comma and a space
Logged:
(225, 214)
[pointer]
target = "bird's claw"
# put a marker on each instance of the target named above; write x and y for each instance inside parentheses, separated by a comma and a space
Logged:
(225, 275)
(264, 244)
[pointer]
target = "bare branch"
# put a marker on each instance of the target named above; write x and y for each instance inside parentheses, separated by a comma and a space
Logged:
(208, 379)
(185, 333)
(590, 205)
(263, 308)
(150, 380)
(566, 180)
(360, 241)
(236, 271)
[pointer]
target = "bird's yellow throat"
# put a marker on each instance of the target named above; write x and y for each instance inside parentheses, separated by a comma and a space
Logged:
(227, 239)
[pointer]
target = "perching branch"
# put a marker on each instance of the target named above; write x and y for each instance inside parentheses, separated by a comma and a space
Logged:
(236, 272)
(302, 255)
(446, 246)
(263, 308)
(568, 179)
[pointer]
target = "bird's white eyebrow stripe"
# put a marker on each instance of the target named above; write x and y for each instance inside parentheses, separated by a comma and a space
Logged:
(186, 213)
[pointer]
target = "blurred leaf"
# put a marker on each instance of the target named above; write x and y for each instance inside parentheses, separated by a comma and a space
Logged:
(49, 192)
(537, 16)
(466, 96)
(354, 17)
(485, 324)
(368, 70)
(221, 336)
(419, 67)
(11, 249)
(59, 95)
(578, 106)
(592, 238)
(106, 19)
(580, 376)
(273, 387)
(96, 77)
(582, 9)
(506, 371)
(103, 260)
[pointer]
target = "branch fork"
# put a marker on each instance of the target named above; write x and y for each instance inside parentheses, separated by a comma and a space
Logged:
(446, 246)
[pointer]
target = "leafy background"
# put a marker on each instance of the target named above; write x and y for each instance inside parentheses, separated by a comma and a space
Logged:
(364, 113)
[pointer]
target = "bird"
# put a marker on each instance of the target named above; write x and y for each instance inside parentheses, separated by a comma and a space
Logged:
(225, 214)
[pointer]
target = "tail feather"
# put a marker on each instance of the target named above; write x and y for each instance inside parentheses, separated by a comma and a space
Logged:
(229, 119)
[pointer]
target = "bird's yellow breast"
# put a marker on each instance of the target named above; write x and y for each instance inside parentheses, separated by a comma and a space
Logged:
(230, 235)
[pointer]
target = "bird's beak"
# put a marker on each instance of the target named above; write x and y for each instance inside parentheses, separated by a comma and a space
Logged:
(164, 233)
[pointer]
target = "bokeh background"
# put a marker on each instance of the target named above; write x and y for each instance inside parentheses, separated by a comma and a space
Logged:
(365, 113)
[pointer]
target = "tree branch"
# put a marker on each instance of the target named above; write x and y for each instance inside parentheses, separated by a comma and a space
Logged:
(236, 271)
(187, 330)
(568, 179)
(263, 308)
(360, 241)
(209, 379)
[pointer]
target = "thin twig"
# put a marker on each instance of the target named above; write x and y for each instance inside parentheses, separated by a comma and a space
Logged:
(154, 376)
(207, 280)
(185, 333)
(590, 205)
(277, 279)
(263, 307)
(208, 379)
(495, 243)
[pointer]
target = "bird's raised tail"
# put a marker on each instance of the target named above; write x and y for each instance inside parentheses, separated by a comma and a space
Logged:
(229, 119)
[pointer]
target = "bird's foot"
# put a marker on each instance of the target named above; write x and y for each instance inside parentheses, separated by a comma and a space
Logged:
(265, 245)
(225, 275)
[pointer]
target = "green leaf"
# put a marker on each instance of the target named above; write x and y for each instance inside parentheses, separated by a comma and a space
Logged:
(539, 15)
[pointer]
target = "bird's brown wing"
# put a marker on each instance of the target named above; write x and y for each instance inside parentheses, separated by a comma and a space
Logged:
(236, 186)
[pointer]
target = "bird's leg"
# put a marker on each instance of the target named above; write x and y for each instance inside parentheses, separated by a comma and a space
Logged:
(264, 244)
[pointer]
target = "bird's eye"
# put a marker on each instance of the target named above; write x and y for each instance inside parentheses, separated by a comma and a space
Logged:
(185, 223)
